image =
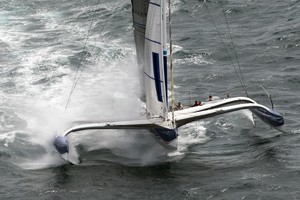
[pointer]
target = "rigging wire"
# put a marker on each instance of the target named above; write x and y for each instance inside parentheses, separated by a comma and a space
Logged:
(171, 65)
(269, 96)
(240, 76)
(227, 52)
(233, 46)
(81, 66)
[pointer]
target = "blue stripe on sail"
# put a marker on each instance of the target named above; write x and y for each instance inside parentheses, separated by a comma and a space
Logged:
(156, 72)
(155, 4)
(166, 75)
(153, 41)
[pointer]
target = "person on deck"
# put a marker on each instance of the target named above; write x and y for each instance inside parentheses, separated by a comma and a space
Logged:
(179, 106)
(210, 98)
(195, 104)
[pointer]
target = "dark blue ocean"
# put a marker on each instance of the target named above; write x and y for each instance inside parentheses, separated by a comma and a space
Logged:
(43, 43)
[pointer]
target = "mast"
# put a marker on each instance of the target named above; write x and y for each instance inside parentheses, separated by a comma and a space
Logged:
(165, 56)
(171, 65)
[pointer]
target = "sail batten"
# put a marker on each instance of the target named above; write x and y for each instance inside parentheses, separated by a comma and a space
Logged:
(150, 40)
(155, 4)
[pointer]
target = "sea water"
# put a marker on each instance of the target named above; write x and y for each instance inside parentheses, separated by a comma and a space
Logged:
(46, 46)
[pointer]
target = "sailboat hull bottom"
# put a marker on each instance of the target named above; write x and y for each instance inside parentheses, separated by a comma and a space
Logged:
(167, 137)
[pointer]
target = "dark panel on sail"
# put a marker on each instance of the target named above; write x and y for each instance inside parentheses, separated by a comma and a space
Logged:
(166, 76)
(156, 72)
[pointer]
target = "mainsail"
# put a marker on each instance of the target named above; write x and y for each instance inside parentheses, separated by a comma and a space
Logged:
(150, 38)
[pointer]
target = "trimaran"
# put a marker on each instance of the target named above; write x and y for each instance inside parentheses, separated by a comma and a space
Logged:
(150, 32)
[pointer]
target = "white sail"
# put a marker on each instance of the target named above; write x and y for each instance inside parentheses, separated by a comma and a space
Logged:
(149, 22)
(155, 66)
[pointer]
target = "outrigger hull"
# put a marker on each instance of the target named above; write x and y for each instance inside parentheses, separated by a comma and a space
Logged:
(61, 144)
(269, 116)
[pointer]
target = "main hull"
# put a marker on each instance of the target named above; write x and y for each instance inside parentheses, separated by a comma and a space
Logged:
(166, 137)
